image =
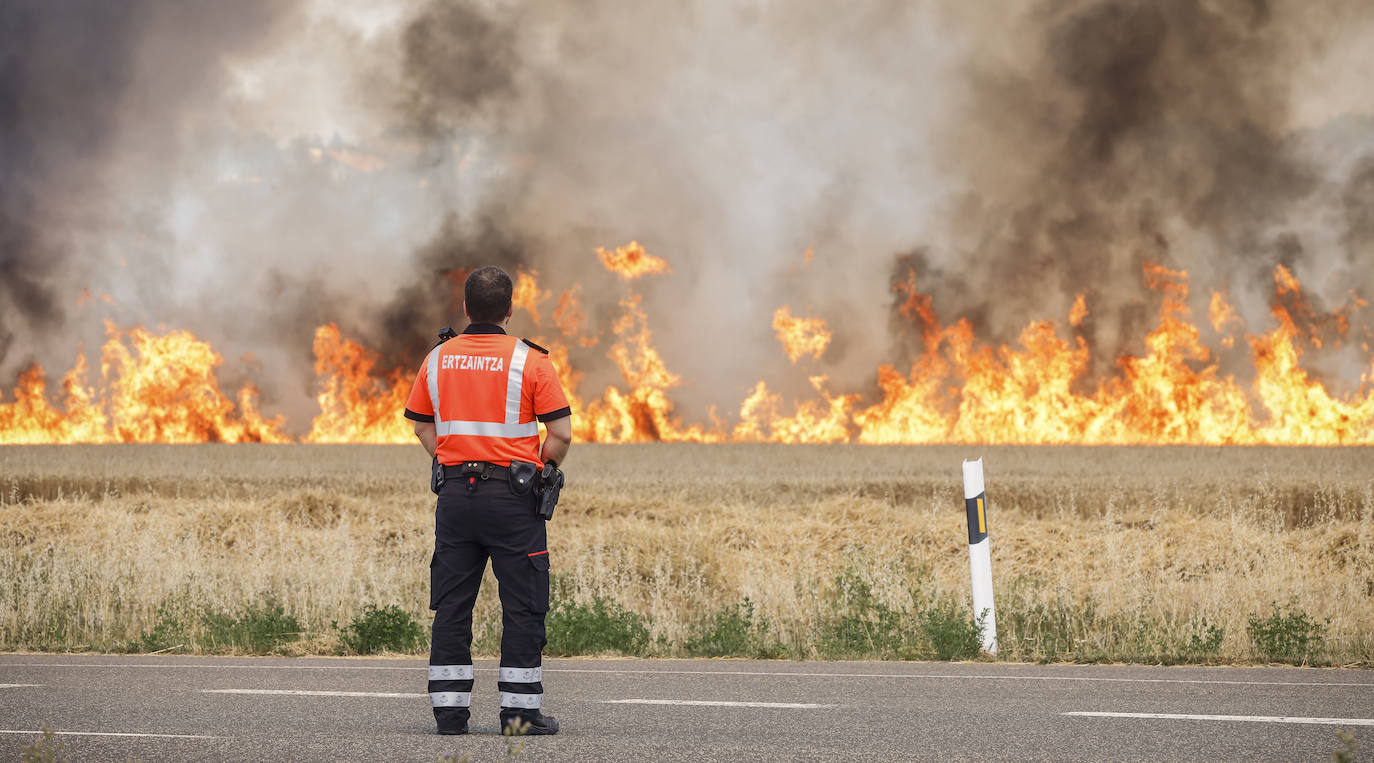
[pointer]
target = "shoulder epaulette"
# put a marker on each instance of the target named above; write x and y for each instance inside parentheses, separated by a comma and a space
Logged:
(535, 346)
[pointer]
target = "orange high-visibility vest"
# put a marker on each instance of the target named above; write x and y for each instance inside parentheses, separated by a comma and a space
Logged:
(485, 391)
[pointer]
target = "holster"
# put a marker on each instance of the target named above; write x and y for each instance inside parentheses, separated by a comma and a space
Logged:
(550, 485)
(436, 476)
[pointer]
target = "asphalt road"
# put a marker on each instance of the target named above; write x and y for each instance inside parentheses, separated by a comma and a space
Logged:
(187, 708)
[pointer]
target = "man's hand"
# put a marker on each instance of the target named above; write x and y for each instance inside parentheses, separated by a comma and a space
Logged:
(429, 436)
(557, 441)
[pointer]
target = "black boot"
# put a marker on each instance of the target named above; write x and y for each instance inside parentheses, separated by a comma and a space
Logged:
(452, 720)
(527, 723)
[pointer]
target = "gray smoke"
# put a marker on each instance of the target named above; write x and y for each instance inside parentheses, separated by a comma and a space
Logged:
(726, 139)
(60, 88)
(1105, 135)
(250, 171)
(91, 98)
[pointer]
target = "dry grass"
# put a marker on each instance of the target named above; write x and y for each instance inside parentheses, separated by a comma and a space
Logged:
(1155, 543)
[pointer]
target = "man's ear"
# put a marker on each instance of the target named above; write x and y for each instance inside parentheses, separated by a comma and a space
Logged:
(465, 310)
(510, 311)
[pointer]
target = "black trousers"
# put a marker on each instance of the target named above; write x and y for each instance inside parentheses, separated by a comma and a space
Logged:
(477, 519)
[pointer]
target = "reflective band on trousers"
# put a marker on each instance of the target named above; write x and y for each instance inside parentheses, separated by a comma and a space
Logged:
(510, 428)
(450, 698)
(529, 701)
(521, 675)
(450, 672)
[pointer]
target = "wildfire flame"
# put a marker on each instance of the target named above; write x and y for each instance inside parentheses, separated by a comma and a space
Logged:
(162, 388)
(1222, 315)
(800, 336)
(527, 296)
(571, 320)
(644, 413)
(631, 261)
(152, 389)
(357, 404)
(1079, 311)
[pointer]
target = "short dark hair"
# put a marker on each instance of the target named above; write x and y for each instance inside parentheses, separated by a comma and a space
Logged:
(486, 294)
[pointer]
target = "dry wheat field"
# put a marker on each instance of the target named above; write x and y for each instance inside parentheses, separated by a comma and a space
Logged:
(1132, 554)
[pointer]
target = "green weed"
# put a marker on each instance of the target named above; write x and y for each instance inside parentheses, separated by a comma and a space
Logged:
(1287, 636)
(734, 631)
(950, 632)
(1056, 627)
(602, 626)
(1145, 638)
(1346, 752)
(171, 631)
(1041, 628)
(389, 629)
(1204, 641)
(260, 629)
(46, 749)
(257, 630)
(861, 625)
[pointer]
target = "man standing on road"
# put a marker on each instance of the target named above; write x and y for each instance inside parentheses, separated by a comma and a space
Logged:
(475, 404)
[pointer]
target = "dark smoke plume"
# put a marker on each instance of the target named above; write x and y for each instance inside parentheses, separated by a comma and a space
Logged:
(267, 167)
(1126, 132)
(63, 71)
(459, 64)
(435, 299)
(73, 76)
(1089, 138)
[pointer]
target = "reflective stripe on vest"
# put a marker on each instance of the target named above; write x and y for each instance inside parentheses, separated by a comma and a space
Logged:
(511, 428)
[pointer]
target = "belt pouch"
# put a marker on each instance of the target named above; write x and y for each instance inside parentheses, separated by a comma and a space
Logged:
(522, 477)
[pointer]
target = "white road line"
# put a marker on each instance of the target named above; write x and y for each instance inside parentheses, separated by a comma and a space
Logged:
(311, 693)
(192, 666)
(702, 703)
(776, 674)
(1243, 718)
(110, 734)
(942, 676)
(17, 686)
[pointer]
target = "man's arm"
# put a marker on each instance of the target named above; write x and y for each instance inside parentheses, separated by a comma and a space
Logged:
(556, 443)
(429, 436)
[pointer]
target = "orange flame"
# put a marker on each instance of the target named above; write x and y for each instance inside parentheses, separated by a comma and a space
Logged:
(644, 412)
(570, 319)
(356, 403)
(1221, 315)
(1079, 312)
(1039, 390)
(153, 389)
(631, 261)
(1168, 395)
(800, 336)
(762, 420)
(527, 295)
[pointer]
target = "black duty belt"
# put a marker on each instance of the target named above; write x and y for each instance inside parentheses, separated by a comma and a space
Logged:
(481, 469)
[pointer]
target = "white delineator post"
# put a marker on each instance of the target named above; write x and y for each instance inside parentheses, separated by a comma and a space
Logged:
(979, 555)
